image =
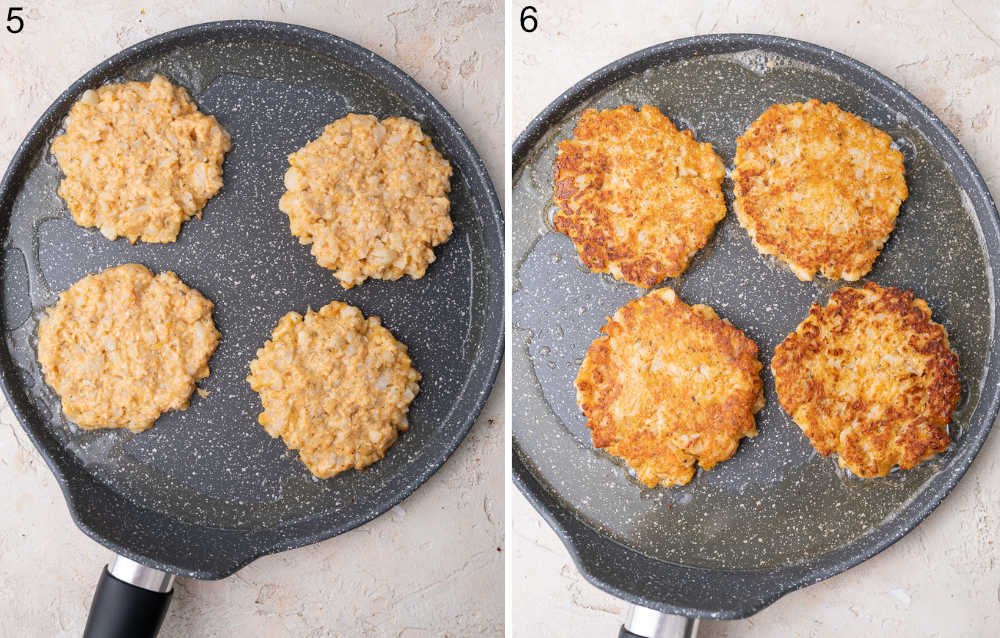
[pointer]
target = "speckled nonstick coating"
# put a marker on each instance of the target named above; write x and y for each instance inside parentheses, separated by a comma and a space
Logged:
(777, 516)
(206, 491)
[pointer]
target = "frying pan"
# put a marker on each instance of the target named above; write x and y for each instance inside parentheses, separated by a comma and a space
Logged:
(206, 490)
(777, 516)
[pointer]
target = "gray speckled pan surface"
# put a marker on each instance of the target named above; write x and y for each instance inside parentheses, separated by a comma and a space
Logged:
(777, 515)
(207, 490)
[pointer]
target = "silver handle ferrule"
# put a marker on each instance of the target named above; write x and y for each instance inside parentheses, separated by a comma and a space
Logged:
(137, 574)
(650, 623)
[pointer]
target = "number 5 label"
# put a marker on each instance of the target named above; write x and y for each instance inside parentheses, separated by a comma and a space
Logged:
(15, 23)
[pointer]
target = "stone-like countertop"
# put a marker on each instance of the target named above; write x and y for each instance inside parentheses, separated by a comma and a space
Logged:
(430, 567)
(942, 579)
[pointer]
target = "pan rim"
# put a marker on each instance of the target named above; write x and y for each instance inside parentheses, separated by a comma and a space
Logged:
(578, 537)
(245, 546)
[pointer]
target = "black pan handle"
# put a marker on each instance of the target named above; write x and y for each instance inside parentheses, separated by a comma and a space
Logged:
(643, 622)
(130, 602)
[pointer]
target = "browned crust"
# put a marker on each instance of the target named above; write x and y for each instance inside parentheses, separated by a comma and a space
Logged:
(871, 377)
(668, 385)
(818, 187)
(637, 197)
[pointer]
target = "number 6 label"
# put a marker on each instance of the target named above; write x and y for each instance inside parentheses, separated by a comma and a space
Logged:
(528, 20)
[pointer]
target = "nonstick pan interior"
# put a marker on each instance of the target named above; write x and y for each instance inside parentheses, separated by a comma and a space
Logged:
(776, 505)
(209, 478)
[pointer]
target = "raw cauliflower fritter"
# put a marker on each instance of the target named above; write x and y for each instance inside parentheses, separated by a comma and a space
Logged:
(871, 377)
(122, 347)
(371, 197)
(139, 160)
(636, 196)
(819, 188)
(668, 385)
(335, 386)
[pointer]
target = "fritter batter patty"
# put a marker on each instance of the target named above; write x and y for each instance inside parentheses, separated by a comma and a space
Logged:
(371, 197)
(819, 188)
(122, 347)
(139, 160)
(636, 196)
(335, 386)
(667, 385)
(871, 377)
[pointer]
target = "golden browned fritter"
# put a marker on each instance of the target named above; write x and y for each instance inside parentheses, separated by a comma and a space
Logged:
(636, 196)
(668, 385)
(871, 377)
(819, 188)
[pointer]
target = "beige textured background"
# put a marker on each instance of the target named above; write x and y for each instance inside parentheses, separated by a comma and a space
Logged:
(943, 579)
(428, 568)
